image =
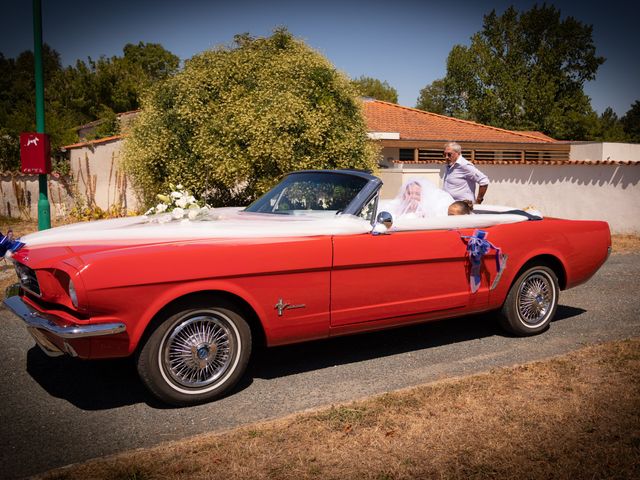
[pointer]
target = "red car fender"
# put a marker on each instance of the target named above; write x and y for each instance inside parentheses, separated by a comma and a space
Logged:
(175, 292)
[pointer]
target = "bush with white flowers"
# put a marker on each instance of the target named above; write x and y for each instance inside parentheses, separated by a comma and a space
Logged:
(178, 205)
(239, 117)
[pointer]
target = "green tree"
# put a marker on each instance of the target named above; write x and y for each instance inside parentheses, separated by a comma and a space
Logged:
(117, 83)
(374, 88)
(433, 98)
(609, 128)
(524, 71)
(75, 95)
(17, 104)
(237, 118)
(631, 122)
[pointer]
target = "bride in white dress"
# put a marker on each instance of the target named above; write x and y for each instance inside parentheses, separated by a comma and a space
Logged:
(419, 198)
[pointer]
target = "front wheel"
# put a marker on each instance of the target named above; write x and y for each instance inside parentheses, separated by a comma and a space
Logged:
(195, 354)
(532, 302)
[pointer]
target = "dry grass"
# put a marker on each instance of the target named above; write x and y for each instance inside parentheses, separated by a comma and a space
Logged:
(625, 243)
(574, 416)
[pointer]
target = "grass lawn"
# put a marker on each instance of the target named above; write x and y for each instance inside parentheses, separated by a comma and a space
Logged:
(571, 417)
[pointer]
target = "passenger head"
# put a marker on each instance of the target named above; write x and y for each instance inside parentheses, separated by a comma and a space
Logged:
(413, 191)
(459, 208)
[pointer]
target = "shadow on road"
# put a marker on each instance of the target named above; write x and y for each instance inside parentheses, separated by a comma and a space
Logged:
(107, 384)
(299, 358)
(564, 312)
(89, 385)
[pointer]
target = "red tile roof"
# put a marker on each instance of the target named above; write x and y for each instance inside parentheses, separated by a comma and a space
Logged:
(93, 142)
(539, 135)
(413, 124)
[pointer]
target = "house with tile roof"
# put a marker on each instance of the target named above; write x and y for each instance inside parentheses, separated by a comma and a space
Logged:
(579, 180)
(410, 136)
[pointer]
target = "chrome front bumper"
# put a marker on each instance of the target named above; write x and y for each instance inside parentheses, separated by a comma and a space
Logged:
(38, 322)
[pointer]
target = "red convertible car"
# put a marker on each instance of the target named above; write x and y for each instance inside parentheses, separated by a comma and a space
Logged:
(317, 256)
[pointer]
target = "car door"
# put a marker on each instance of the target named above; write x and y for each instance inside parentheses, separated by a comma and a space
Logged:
(400, 274)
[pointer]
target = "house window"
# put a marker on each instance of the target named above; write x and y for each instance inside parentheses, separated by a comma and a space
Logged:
(512, 155)
(531, 156)
(484, 155)
(430, 155)
(406, 154)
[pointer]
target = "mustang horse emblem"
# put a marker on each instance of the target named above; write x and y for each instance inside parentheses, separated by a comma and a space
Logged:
(281, 306)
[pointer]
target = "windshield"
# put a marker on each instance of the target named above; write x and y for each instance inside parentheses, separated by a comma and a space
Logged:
(322, 192)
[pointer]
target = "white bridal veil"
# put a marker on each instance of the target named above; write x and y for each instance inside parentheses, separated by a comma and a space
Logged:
(420, 198)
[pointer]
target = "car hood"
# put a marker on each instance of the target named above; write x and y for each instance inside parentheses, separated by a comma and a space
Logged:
(221, 224)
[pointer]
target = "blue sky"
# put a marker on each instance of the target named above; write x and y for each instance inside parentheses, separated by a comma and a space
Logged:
(403, 42)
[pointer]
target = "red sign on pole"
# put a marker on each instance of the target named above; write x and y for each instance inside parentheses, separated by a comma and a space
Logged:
(35, 153)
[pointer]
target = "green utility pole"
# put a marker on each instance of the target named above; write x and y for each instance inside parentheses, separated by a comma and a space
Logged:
(44, 209)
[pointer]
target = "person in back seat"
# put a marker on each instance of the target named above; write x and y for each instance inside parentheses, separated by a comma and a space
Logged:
(459, 207)
(419, 198)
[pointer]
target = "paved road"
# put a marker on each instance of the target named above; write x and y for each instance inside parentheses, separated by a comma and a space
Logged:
(58, 411)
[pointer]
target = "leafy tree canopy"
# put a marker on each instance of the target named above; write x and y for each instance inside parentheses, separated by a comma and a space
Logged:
(631, 122)
(374, 88)
(609, 128)
(75, 95)
(433, 98)
(237, 118)
(522, 71)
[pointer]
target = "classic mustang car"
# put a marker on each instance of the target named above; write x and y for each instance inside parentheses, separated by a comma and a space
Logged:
(317, 256)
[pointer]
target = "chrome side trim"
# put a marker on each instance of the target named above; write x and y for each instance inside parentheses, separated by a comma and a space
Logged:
(42, 321)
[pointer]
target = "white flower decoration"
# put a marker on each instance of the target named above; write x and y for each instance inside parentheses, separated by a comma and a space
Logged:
(178, 205)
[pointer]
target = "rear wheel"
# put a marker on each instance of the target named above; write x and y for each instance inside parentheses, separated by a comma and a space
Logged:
(532, 302)
(196, 353)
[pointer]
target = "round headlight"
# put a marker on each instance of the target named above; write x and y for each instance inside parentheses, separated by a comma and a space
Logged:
(72, 294)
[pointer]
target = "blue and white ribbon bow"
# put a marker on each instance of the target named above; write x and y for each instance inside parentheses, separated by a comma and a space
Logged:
(8, 244)
(477, 247)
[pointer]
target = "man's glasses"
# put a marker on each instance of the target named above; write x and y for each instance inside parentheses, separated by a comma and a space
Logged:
(447, 154)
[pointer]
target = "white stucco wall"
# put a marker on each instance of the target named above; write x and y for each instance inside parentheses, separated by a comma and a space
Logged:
(19, 196)
(96, 179)
(99, 177)
(605, 151)
(595, 192)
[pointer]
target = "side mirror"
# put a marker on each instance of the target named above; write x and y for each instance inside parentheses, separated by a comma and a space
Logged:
(384, 221)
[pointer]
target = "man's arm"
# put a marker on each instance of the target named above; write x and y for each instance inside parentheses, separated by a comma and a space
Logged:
(481, 179)
(481, 191)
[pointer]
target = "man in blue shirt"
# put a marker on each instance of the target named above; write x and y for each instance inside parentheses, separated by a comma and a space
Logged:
(461, 176)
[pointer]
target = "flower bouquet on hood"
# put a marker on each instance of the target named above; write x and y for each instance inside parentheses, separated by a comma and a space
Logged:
(179, 204)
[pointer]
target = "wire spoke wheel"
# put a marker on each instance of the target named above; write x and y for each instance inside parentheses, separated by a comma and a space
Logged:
(199, 350)
(531, 302)
(535, 298)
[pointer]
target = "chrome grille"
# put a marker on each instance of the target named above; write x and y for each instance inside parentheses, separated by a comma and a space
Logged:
(27, 278)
